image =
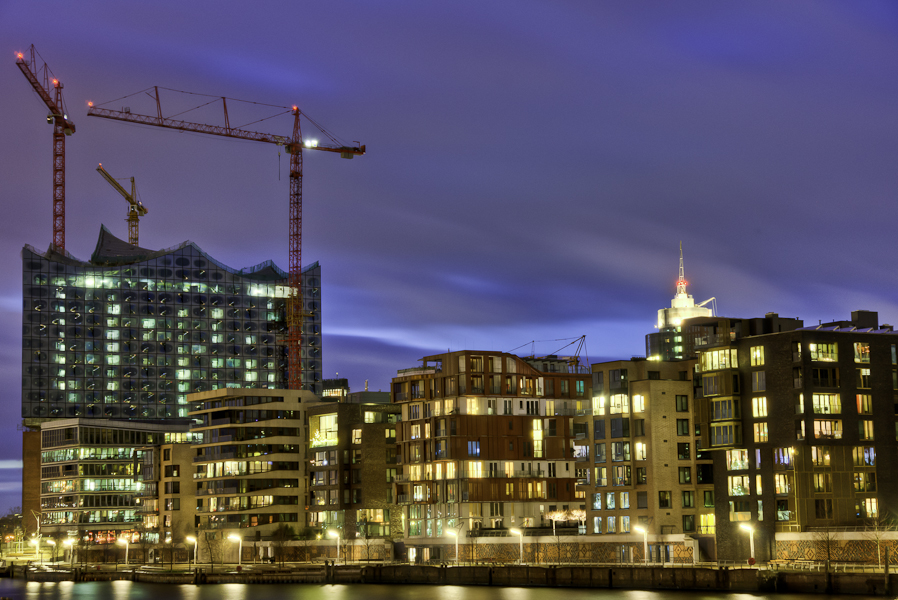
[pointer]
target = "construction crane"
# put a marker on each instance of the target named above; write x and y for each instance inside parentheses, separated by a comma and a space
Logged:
(41, 79)
(294, 146)
(136, 209)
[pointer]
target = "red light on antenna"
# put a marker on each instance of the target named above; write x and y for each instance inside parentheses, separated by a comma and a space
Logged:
(90, 104)
(295, 107)
(19, 55)
(55, 82)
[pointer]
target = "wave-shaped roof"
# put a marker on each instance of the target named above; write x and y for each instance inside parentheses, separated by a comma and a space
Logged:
(113, 251)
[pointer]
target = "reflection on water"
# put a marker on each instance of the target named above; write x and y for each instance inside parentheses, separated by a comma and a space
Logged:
(16, 589)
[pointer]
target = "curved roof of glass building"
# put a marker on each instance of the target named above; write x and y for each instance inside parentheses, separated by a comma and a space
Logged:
(113, 251)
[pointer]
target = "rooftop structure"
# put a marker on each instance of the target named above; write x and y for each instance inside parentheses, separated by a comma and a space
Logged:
(667, 344)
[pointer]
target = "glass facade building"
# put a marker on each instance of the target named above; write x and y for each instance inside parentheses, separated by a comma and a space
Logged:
(131, 332)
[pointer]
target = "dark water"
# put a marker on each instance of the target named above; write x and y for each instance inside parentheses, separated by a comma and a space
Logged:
(17, 589)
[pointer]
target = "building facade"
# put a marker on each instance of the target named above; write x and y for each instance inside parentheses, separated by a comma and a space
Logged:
(643, 464)
(486, 444)
(91, 483)
(249, 466)
(352, 467)
(804, 429)
(131, 332)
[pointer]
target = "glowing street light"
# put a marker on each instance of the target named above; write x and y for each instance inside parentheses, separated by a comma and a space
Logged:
(455, 535)
(192, 540)
(751, 538)
(336, 534)
(127, 543)
(237, 538)
(645, 542)
(519, 533)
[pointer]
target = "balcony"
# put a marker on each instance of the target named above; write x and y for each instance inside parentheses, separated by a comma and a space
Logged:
(211, 457)
(218, 491)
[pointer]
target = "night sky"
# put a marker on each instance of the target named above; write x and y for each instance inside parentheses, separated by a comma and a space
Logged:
(531, 168)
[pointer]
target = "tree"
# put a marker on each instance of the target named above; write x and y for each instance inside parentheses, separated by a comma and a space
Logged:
(305, 542)
(579, 515)
(142, 542)
(211, 542)
(877, 530)
(825, 541)
(557, 516)
(279, 540)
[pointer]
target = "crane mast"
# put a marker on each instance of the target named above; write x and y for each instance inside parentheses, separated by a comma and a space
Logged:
(40, 81)
(294, 146)
(136, 209)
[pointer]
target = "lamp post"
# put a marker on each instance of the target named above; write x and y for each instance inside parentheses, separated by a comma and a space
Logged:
(751, 539)
(645, 542)
(70, 544)
(336, 534)
(192, 540)
(237, 538)
(36, 542)
(520, 535)
(455, 535)
(127, 543)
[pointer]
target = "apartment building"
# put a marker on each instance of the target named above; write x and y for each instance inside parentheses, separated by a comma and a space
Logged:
(167, 498)
(249, 467)
(803, 425)
(90, 480)
(642, 464)
(486, 445)
(351, 467)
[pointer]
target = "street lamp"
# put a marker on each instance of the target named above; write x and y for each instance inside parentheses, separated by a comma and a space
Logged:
(645, 542)
(127, 543)
(519, 533)
(192, 540)
(455, 535)
(751, 538)
(70, 543)
(336, 534)
(237, 538)
(36, 543)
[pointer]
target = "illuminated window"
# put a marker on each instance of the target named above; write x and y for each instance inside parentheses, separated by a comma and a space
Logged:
(757, 356)
(827, 404)
(864, 456)
(861, 352)
(356, 436)
(827, 428)
(760, 432)
(737, 460)
(865, 429)
(739, 485)
(783, 483)
(824, 352)
(759, 407)
(820, 456)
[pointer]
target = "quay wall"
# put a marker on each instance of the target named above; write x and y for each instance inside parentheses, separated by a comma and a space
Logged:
(607, 577)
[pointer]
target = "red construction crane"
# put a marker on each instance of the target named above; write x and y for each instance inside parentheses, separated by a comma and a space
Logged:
(41, 79)
(294, 146)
